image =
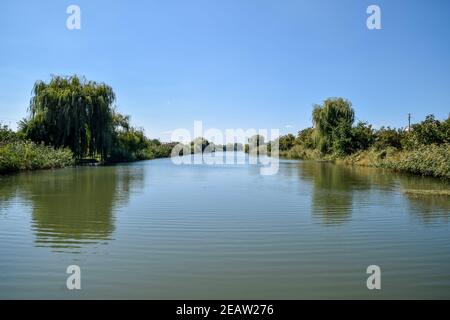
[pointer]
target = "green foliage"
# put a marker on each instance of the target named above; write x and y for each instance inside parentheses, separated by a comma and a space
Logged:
(256, 140)
(71, 112)
(7, 135)
(198, 145)
(429, 131)
(342, 139)
(286, 142)
(306, 138)
(75, 113)
(363, 136)
(333, 121)
(156, 149)
(423, 150)
(428, 160)
(388, 137)
(299, 152)
(129, 145)
(27, 155)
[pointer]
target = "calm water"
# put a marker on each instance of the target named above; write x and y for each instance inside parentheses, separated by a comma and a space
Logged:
(153, 230)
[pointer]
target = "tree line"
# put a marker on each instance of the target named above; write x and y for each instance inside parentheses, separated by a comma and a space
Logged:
(80, 115)
(423, 148)
(72, 120)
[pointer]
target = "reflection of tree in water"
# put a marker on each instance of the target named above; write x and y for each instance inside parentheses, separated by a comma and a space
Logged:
(335, 186)
(427, 206)
(333, 189)
(74, 207)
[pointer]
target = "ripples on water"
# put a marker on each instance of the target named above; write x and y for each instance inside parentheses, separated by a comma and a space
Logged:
(155, 230)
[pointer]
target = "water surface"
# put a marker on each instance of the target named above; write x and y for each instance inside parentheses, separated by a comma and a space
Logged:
(154, 230)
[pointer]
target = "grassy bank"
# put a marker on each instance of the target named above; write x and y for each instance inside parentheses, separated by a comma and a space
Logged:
(423, 148)
(27, 155)
(432, 160)
(18, 153)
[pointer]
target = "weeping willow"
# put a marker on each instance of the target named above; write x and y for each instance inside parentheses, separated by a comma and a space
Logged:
(333, 121)
(72, 112)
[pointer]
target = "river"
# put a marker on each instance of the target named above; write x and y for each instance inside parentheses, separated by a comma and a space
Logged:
(156, 230)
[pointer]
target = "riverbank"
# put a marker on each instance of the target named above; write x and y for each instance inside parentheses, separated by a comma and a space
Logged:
(26, 155)
(19, 153)
(432, 160)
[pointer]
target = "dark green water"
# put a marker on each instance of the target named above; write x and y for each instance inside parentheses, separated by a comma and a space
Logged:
(153, 230)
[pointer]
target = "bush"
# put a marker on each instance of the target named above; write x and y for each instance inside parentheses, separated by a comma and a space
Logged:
(158, 150)
(432, 160)
(299, 152)
(429, 131)
(306, 138)
(129, 145)
(387, 137)
(363, 136)
(286, 142)
(26, 155)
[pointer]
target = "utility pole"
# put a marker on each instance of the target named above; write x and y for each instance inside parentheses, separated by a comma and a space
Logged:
(409, 122)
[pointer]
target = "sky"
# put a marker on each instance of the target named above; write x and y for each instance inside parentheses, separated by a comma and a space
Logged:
(233, 63)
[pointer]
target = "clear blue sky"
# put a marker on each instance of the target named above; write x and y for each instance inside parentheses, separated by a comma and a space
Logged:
(234, 63)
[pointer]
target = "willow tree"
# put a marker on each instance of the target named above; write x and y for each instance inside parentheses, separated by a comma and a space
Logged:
(72, 112)
(333, 122)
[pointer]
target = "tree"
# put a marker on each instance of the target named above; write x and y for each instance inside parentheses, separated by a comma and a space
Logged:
(198, 145)
(363, 136)
(128, 143)
(256, 140)
(286, 142)
(429, 131)
(305, 138)
(388, 137)
(72, 112)
(333, 121)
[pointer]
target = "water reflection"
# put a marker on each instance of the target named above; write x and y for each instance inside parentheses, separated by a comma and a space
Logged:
(335, 187)
(332, 192)
(72, 208)
(428, 207)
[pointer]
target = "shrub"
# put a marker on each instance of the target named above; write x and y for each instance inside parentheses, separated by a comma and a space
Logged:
(432, 160)
(27, 155)
(429, 131)
(306, 138)
(387, 137)
(363, 136)
(299, 152)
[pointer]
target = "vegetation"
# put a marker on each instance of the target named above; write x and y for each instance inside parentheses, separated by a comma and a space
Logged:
(71, 119)
(333, 126)
(74, 113)
(424, 149)
(19, 154)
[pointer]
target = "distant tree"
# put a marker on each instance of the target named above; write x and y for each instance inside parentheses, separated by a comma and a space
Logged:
(363, 136)
(388, 137)
(305, 138)
(256, 140)
(333, 121)
(198, 145)
(429, 131)
(286, 142)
